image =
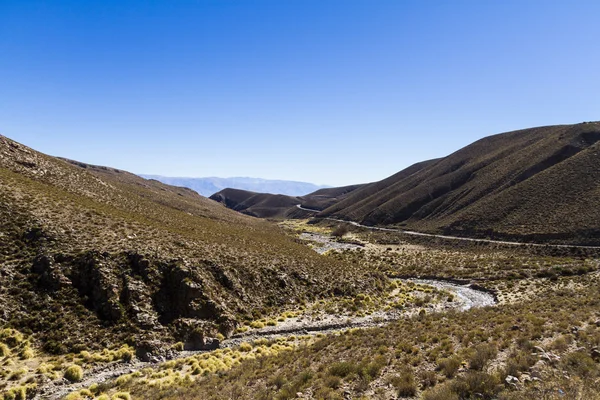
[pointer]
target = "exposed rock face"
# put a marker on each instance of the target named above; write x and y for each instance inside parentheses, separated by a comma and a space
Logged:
(49, 276)
(191, 333)
(183, 294)
(155, 296)
(153, 351)
(96, 280)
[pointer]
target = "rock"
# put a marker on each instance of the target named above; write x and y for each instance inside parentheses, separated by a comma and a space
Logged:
(539, 349)
(595, 354)
(93, 278)
(511, 380)
(525, 378)
(50, 277)
(574, 330)
(148, 350)
(192, 333)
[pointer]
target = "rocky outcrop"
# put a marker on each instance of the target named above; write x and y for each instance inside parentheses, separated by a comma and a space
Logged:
(172, 299)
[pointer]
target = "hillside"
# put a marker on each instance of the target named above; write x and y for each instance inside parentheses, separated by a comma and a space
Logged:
(540, 184)
(266, 205)
(211, 185)
(92, 256)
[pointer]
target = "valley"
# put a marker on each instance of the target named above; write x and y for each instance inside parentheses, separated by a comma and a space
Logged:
(117, 287)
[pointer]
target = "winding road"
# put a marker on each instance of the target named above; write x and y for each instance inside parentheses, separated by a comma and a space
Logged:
(413, 233)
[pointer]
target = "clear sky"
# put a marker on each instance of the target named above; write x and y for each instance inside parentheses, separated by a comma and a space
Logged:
(325, 91)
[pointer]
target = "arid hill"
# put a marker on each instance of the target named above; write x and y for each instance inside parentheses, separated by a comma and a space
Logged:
(93, 256)
(539, 184)
(266, 205)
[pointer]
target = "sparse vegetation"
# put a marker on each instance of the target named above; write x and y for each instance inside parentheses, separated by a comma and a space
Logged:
(140, 267)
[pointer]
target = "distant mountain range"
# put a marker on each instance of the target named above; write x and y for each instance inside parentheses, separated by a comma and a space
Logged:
(538, 184)
(211, 185)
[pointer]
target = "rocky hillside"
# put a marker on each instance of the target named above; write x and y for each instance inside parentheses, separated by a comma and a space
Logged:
(540, 184)
(92, 256)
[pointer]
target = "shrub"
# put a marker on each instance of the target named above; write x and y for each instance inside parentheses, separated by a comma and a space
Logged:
(86, 393)
(449, 366)
(476, 384)
(428, 378)
(121, 396)
(18, 393)
(4, 350)
(27, 353)
(18, 374)
(340, 231)
(443, 392)
(341, 369)
(74, 373)
(581, 364)
(332, 382)
(404, 383)
(245, 347)
(483, 353)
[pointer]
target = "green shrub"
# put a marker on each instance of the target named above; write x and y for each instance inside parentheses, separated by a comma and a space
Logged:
(178, 346)
(332, 382)
(482, 355)
(475, 384)
(449, 366)
(442, 392)
(404, 383)
(18, 393)
(341, 369)
(245, 347)
(74, 373)
(581, 364)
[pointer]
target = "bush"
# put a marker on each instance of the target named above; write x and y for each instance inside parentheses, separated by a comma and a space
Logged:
(17, 393)
(178, 346)
(341, 369)
(74, 373)
(428, 378)
(476, 384)
(4, 350)
(443, 392)
(482, 355)
(340, 231)
(404, 383)
(245, 347)
(581, 364)
(332, 382)
(449, 366)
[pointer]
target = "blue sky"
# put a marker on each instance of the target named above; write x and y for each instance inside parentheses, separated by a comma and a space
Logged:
(330, 92)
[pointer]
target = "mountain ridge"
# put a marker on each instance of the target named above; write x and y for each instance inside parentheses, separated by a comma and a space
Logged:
(535, 184)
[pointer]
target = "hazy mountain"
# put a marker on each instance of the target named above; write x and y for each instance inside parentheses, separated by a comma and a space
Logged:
(208, 186)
